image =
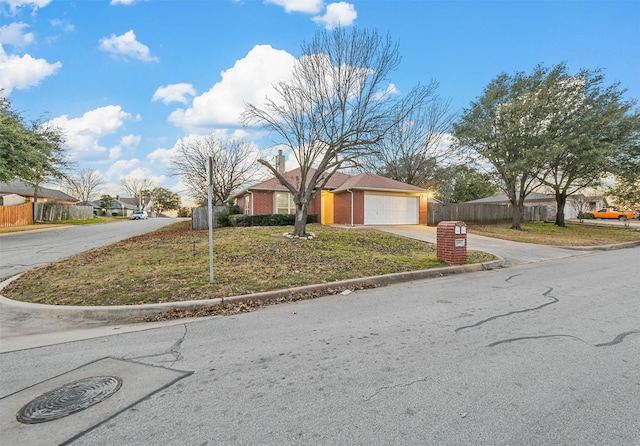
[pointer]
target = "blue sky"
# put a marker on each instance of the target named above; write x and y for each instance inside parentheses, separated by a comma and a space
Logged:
(126, 79)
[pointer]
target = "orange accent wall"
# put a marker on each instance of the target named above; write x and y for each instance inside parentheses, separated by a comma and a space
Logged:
(422, 217)
(326, 200)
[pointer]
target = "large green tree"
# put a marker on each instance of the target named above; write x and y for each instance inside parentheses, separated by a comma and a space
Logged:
(626, 191)
(587, 128)
(337, 107)
(32, 152)
(505, 126)
(460, 183)
(164, 200)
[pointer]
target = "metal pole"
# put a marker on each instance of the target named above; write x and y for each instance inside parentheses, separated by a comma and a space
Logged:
(210, 214)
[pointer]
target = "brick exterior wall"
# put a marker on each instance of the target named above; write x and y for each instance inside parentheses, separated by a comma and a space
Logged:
(262, 202)
(446, 243)
(342, 208)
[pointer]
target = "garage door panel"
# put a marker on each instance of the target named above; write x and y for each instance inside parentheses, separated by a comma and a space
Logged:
(384, 209)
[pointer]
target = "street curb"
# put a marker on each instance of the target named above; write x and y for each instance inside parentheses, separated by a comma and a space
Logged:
(133, 313)
(601, 247)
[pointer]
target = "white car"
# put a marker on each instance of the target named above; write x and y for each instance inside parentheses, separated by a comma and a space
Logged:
(139, 215)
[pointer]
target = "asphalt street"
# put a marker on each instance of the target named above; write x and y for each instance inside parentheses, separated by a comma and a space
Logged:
(25, 250)
(541, 353)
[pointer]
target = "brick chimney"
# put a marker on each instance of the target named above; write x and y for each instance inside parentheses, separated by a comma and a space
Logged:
(280, 162)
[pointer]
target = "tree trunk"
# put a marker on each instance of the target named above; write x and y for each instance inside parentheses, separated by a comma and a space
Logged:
(300, 228)
(517, 216)
(561, 201)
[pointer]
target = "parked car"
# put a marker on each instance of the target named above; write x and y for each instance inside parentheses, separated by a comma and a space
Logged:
(139, 215)
(611, 213)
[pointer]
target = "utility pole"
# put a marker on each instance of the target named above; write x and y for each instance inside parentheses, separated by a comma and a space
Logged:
(210, 214)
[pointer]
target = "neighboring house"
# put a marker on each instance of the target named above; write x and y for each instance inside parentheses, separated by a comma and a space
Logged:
(121, 207)
(365, 199)
(575, 203)
(11, 200)
(27, 191)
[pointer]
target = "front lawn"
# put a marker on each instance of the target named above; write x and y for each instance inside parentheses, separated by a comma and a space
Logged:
(172, 264)
(575, 234)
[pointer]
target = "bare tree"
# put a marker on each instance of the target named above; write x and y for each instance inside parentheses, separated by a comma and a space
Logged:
(234, 165)
(336, 108)
(84, 185)
(136, 187)
(411, 150)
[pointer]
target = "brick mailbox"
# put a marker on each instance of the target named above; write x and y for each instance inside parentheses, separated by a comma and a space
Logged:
(451, 242)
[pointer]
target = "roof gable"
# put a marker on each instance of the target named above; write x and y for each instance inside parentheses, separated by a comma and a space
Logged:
(341, 182)
(274, 184)
(370, 181)
(27, 190)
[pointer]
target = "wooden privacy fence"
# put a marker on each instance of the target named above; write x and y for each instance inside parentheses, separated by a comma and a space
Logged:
(16, 215)
(199, 218)
(58, 211)
(479, 213)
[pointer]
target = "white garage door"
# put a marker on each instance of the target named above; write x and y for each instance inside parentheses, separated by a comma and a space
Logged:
(381, 209)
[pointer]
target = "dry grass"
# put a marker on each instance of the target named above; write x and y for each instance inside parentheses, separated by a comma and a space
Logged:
(172, 264)
(549, 234)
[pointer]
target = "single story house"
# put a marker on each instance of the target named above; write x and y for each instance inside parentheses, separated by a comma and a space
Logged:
(575, 203)
(364, 199)
(28, 191)
(121, 206)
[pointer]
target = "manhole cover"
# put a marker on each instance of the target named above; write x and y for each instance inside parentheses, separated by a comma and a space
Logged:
(69, 399)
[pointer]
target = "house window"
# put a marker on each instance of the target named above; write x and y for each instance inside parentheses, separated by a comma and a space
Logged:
(246, 205)
(284, 203)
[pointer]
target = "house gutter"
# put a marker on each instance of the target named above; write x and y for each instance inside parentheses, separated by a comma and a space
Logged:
(251, 201)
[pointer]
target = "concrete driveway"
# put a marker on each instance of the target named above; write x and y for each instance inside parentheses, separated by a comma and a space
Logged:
(513, 253)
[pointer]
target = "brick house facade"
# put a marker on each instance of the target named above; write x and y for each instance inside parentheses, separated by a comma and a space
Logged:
(349, 200)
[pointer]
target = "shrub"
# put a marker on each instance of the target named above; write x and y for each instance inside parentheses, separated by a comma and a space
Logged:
(224, 217)
(266, 219)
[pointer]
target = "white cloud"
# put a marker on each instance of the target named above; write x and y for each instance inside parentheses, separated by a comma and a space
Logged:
(122, 2)
(138, 173)
(306, 6)
(22, 72)
(121, 169)
(13, 34)
(130, 140)
(162, 156)
(174, 93)
(14, 5)
(249, 80)
(63, 24)
(126, 46)
(337, 14)
(83, 134)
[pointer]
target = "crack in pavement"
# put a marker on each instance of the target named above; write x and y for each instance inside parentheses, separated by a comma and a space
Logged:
(377, 392)
(524, 338)
(617, 340)
(526, 310)
(174, 350)
(511, 277)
